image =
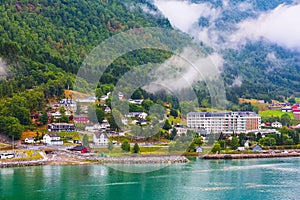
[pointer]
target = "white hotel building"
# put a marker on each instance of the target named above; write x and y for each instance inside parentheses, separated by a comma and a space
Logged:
(224, 122)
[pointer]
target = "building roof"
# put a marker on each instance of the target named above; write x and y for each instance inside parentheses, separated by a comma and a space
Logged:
(61, 124)
(255, 145)
(276, 123)
(78, 148)
(222, 114)
(52, 135)
(98, 134)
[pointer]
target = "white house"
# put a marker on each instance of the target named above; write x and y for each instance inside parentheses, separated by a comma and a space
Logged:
(93, 128)
(100, 138)
(105, 97)
(276, 125)
(286, 109)
(29, 140)
(180, 130)
(57, 114)
(247, 144)
(107, 109)
(241, 149)
(136, 101)
(52, 139)
(143, 115)
(97, 127)
(91, 99)
(199, 149)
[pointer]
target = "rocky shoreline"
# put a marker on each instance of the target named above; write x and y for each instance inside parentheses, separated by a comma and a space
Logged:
(69, 158)
(64, 157)
(251, 156)
(22, 163)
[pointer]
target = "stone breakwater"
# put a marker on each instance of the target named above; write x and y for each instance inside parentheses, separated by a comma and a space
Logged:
(64, 157)
(130, 159)
(22, 163)
(249, 156)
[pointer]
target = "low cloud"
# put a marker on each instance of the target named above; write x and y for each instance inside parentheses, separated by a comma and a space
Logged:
(150, 11)
(181, 71)
(280, 26)
(185, 15)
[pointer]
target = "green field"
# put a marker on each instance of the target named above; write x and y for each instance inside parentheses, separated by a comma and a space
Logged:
(274, 113)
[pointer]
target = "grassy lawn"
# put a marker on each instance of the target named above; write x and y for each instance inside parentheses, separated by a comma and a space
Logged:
(274, 113)
(73, 135)
(254, 102)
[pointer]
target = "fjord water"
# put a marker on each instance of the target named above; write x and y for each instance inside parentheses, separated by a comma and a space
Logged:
(199, 179)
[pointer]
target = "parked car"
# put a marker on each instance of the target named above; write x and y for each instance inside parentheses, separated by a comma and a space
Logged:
(7, 155)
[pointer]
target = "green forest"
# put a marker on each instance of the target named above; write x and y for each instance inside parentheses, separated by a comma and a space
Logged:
(44, 42)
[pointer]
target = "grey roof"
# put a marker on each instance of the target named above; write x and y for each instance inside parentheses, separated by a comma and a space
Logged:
(221, 114)
(98, 134)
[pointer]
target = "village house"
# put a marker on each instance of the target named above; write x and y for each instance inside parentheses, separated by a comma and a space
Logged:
(29, 140)
(141, 115)
(136, 101)
(105, 97)
(199, 149)
(286, 109)
(100, 138)
(58, 127)
(180, 130)
(52, 139)
(276, 125)
(67, 103)
(57, 114)
(83, 119)
(81, 149)
(247, 144)
(90, 99)
(107, 109)
(92, 127)
(256, 148)
(97, 127)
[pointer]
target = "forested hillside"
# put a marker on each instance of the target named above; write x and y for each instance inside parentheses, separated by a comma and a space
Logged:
(43, 43)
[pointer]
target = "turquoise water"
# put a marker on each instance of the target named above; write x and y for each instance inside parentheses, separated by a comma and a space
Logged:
(200, 179)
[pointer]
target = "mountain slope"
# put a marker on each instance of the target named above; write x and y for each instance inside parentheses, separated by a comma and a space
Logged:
(258, 41)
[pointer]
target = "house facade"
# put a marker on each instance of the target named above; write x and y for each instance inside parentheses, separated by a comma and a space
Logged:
(276, 125)
(141, 115)
(52, 139)
(224, 122)
(90, 99)
(100, 138)
(256, 148)
(81, 119)
(58, 127)
(29, 140)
